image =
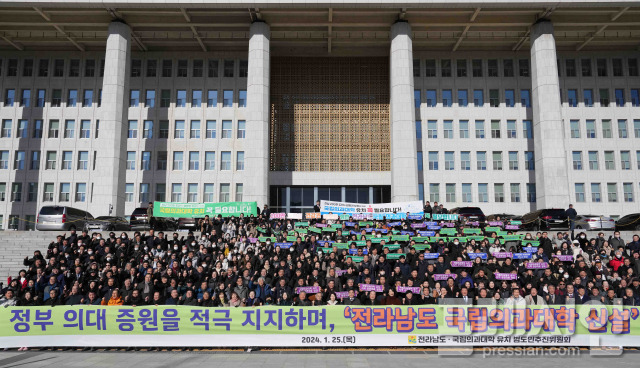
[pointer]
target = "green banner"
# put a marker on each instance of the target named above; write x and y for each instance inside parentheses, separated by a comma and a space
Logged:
(395, 255)
(190, 210)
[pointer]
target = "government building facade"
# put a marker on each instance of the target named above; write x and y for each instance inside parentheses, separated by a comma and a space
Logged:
(508, 106)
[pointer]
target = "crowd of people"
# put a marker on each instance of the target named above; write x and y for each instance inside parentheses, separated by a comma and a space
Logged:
(222, 264)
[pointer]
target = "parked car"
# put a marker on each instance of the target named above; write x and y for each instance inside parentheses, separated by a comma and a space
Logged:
(502, 216)
(140, 220)
(593, 222)
(628, 222)
(545, 219)
(61, 218)
(108, 223)
(470, 214)
(188, 223)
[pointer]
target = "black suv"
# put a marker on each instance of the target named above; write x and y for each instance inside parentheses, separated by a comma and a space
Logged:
(470, 214)
(545, 219)
(628, 222)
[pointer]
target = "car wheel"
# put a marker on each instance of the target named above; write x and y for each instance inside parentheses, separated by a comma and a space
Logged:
(112, 228)
(579, 227)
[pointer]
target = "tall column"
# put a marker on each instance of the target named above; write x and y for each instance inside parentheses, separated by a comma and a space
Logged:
(552, 185)
(404, 155)
(257, 148)
(109, 179)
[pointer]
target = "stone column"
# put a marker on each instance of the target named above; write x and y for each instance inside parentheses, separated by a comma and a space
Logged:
(258, 116)
(404, 155)
(109, 178)
(552, 185)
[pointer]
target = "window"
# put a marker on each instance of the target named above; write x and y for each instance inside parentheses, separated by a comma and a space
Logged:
(479, 128)
(430, 68)
(162, 160)
(58, 68)
(10, 97)
(89, 68)
(43, 68)
(627, 192)
(4, 160)
(478, 98)
(72, 99)
(591, 128)
(572, 97)
(585, 65)
(577, 160)
(150, 98)
(144, 192)
(67, 159)
(633, 67)
(128, 192)
(461, 68)
(638, 159)
(181, 98)
(35, 160)
(131, 160)
(579, 188)
(476, 65)
(212, 98)
(531, 192)
(433, 160)
(625, 160)
(69, 128)
(41, 98)
(192, 192)
(593, 160)
(449, 163)
(65, 192)
(243, 68)
(32, 192)
(227, 98)
(161, 192)
(497, 160)
(609, 163)
(37, 128)
(56, 98)
(209, 161)
(420, 161)
(481, 157)
(152, 68)
(511, 129)
(636, 128)
(450, 192)
(635, 97)
(529, 161)
(198, 67)
(27, 67)
(513, 160)
(224, 193)
(445, 68)
(194, 160)
(498, 192)
(463, 99)
(212, 68)
(416, 67)
(570, 67)
(178, 160)
(208, 192)
(601, 65)
(225, 161)
(507, 68)
(622, 129)
(242, 98)
(595, 192)
(136, 68)
(619, 96)
(483, 192)
(432, 98)
(466, 193)
(416, 98)
(612, 192)
(48, 192)
(74, 68)
(6, 128)
(53, 128)
(465, 160)
(515, 192)
(606, 129)
(167, 68)
(99, 97)
(23, 129)
(239, 192)
(87, 98)
(495, 128)
(523, 67)
(132, 132)
(146, 161)
(494, 98)
(228, 69)
(240, 160)
(448, 129)
(178, 133)
(19, 159)
(447, 98)
(434, 192)
(587, 95)
(464, 128)
(211, 129)
(163, 130)
(196, 98)
(617, 67)
(227, 129)
(432, 129)
(83, 160)
(604, 97)
(509, 97)
(194, 132)
(165, 98)
(575, 128)
(147, 129)
(525, 98)
(26, 98)
(492, 68)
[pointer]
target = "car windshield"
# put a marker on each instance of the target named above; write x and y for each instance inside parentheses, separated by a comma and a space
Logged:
(50, 210)
(471, 211)
(140, 211)
(557, 212)
(104, 218)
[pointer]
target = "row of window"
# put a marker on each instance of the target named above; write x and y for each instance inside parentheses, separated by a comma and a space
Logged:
(464, 129)
(590, 130)
(433, 160)
(167, 68)
(609, 160)
(612, 192)
(479, 68)
(64, 193)
(603, 93)
(482, 192)
(135, 98)
(66, 161)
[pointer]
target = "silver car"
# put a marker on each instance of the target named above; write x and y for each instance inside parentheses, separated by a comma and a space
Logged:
(61, 218)
(593, 222)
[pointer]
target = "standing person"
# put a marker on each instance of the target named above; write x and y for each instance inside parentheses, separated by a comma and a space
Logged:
(316, 208)
(571, 216)
(150, 215)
